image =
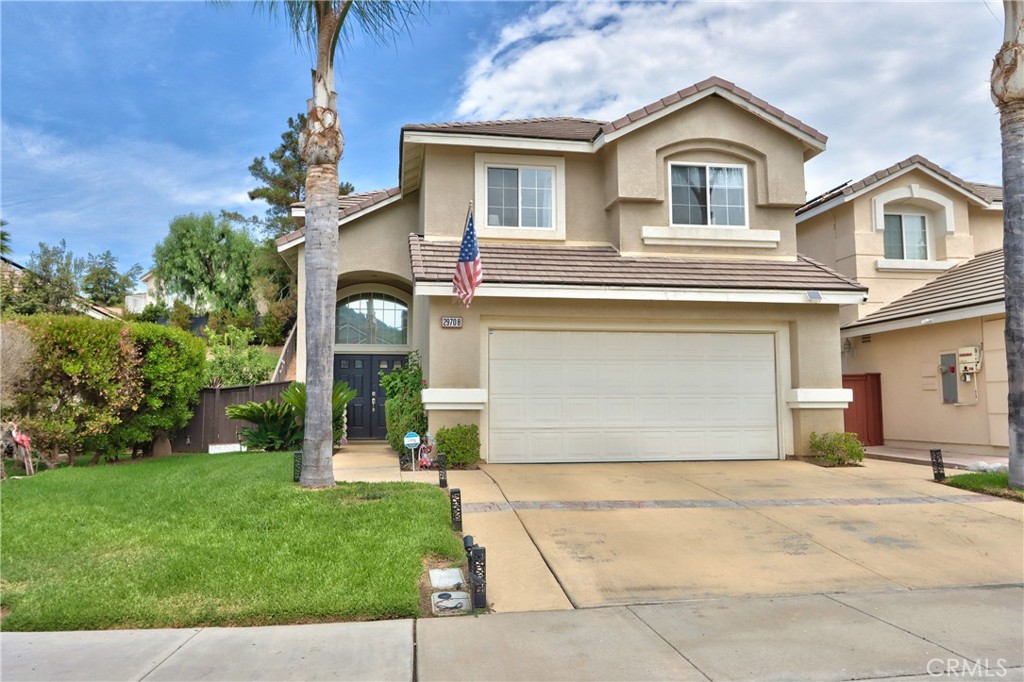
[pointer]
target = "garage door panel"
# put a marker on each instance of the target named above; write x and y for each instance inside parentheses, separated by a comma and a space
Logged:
(613, 396)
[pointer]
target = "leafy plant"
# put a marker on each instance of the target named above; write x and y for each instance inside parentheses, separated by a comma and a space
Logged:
(279, 423)
(404, 405)
(277, 427)
(181, 316)
(461, 445)
(837, 449)
(234, 361)
(154, 312)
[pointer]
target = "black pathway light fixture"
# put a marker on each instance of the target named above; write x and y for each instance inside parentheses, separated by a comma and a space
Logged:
(296, 465)
(442, 470)
(938, 469)
(476, 565)
(455, 497)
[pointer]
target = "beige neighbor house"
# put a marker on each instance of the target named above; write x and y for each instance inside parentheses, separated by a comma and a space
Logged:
(643, 298)
(925, 353)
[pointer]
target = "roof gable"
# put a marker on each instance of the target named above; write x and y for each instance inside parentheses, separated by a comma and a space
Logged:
(981, 194)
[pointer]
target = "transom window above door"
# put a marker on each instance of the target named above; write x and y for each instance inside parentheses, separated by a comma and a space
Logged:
(520, 197)
(371, 319)
(707, 195)
(906, 236)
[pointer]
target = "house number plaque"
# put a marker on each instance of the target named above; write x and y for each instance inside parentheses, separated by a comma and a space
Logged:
(451, 323)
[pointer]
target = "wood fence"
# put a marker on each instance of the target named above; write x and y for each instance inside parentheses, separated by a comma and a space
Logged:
(210, 426)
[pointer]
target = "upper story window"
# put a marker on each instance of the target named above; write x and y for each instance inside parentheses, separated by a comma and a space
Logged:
(906, 236)
(371, 318)
(520, 196)
(705, 195)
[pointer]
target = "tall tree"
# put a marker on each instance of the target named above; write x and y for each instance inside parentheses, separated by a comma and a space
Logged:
(321, 23)
(101, 281)
(1008, 95)
(48, 285)
(206, 261)
(284, 179)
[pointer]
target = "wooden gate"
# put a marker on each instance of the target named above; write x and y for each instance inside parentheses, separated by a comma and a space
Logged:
(864, 414)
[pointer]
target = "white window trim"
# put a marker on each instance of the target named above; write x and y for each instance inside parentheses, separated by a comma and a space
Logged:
(371, 348)
(735, 237)
(929, 241)
(746, 200)
(554, 163)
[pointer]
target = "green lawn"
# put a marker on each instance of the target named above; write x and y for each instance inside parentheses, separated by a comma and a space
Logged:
(993, 483)
(212, 540)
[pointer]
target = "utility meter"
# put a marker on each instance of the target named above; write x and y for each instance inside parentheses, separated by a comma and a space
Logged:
(968, 362)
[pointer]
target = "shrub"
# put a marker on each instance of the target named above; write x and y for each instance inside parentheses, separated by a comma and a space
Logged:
(181, 316)
(404, 405)
(837, 449)
(86, 380)
(153, 312)
(234, 362)
(17, 358)
(461, 444)
(279, 423)
(173, 374)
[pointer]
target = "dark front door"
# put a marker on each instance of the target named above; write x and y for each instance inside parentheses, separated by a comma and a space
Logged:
(362, 372)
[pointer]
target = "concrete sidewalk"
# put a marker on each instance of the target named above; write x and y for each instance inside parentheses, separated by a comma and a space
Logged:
(961, 633)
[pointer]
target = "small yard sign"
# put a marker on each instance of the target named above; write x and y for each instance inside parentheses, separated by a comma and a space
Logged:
(451, 323)
(412, 440)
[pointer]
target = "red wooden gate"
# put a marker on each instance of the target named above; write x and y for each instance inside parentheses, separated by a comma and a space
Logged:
(864, 415)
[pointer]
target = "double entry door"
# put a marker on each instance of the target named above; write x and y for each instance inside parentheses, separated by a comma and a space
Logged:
(366, 419)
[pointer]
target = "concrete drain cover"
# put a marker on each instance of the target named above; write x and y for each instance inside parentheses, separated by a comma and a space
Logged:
(447, 579)
(450, 603)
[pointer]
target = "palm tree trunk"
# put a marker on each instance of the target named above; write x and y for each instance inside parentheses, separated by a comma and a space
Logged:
(321, 146)
(1008, 94)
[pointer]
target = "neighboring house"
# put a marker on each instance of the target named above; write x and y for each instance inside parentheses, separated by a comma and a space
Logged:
(928, 246)
(643, 298)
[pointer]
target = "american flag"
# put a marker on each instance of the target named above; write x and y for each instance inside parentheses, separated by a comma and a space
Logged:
(469, 274)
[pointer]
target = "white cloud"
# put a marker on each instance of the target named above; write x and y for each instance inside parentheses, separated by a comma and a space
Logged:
(882, 80)
(118, 195)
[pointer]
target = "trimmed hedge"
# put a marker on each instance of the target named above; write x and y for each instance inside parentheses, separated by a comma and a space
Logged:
(461, 443)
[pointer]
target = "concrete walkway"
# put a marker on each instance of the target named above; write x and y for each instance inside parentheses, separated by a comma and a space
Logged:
(972, 633)
(951, 459)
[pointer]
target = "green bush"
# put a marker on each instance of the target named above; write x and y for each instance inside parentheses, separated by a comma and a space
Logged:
(153, 312)
(404, 405)
(234, 361)
(277, 427)
(837, 449)
(181, 316)
(87, 379)
(173, 375)
(461, 444)
(279, 423)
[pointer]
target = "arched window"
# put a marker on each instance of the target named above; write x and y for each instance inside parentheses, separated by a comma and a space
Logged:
(372, 318)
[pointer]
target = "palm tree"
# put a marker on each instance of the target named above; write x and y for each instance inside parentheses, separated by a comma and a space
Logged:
(1008, 95)
(5, 239)
(321, 23)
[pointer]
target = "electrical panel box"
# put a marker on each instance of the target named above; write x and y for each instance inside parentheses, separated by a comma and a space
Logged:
(968, 360)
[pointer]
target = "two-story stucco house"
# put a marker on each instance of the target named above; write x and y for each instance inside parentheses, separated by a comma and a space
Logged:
(925, 354)
(643, 298)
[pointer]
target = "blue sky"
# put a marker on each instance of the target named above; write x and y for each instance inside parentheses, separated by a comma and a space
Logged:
(117, 117)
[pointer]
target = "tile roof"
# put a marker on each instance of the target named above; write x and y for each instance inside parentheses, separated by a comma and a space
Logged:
(987, 193)
(976, 282)
(504, 263)
(586, 130)
(551, 128)
(348, 205)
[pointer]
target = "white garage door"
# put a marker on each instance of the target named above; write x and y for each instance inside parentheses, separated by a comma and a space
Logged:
(620, 396)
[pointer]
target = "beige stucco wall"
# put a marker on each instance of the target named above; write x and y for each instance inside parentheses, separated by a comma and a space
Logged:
(807, 338)
(856, 245)
(709, 131)
(912, 409)
(373, 250)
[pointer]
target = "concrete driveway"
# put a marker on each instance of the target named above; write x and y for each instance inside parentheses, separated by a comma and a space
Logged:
(588, 535)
